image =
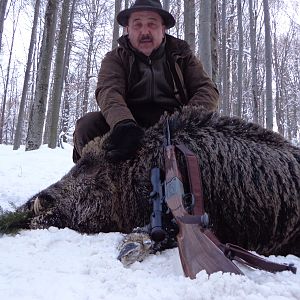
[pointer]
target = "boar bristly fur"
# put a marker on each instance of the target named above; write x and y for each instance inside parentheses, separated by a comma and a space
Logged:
(251, 184)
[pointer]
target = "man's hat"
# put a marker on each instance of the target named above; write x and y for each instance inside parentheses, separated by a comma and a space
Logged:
(141, 5)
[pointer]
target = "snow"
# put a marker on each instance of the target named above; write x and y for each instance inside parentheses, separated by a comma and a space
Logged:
(63, 264)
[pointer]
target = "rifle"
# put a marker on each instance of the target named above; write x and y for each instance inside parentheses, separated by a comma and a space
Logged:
(199, 248)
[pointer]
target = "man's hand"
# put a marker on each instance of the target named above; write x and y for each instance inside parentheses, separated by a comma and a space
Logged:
(124, 141)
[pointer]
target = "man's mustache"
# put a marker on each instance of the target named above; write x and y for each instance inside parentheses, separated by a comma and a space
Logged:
(146, 38)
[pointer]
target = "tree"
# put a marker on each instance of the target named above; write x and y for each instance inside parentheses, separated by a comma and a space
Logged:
(18, 134)
(240, 58)
(116, 31)
(38, 110)
(189, 23)
(214, 38)
(66, 101)
(92, 18)
(268, 60)
(283, 96)
(225, 96)
(3, 5)
(15, 23)
(204, 39)
(253, 56)
(166, 5)
(59, 72)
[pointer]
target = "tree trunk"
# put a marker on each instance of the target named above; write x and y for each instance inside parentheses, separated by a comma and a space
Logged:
(37, 113)
(7, 79)
(126, 5)
(268, 59)
(87, 76)
(253, 55)
(66, 101)
(18, 134)
(166, 5)
(59, 72)
(294, 119)
(214, 39)
(231, 57)
(225, 96)
(240, 59)
(204, 40)
(94, 18)
(46, 134)
(116, 31)
(189, 23)
(3, 5)
(278, 99)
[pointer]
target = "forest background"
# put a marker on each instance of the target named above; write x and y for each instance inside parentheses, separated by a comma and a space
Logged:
(51, 52)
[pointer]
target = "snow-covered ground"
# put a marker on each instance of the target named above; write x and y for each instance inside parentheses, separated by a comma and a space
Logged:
(65, 265)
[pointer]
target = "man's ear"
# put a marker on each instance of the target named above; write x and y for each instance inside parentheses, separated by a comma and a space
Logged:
(126, 29)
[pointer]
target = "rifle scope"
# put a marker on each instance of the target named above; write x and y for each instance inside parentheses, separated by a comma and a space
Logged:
(157, 233)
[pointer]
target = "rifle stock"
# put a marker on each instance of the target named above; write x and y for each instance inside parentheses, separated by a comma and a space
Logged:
(197, 251)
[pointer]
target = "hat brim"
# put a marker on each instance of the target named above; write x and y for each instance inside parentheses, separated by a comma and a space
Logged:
(124, 15)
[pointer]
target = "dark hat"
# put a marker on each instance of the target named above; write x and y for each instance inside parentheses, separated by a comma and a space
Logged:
(140, 5)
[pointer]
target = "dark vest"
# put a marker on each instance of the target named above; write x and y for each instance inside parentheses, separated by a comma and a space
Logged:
(151, 87)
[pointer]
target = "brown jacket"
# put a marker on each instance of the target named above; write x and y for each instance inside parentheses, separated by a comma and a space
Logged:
(190, 85)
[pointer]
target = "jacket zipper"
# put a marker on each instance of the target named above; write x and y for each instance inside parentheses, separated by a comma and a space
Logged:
(152, 80)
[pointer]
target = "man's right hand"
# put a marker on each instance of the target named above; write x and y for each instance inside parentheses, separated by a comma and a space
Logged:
(124, 140)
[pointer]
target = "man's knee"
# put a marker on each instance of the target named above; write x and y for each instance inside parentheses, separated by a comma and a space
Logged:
(87, 128)
(92, 120)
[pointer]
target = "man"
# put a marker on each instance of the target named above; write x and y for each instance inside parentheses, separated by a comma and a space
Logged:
(149, 73)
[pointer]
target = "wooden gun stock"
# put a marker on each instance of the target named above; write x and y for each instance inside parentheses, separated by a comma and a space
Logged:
(197, 251)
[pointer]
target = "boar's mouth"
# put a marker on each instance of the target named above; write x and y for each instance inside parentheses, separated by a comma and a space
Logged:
(42, 202)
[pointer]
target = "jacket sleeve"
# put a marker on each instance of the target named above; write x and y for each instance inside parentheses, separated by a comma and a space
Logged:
(110, 90)
(200, 89)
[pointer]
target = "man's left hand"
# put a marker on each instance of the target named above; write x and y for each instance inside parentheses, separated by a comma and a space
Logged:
(124, 141)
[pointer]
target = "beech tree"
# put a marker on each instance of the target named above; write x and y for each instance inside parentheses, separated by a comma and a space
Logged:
(65, 119)
(268, 60)
(16, 12)
(58, 74)
(116, 30)
(189, 23)
(18, 134)
(166, 5)
(3, 5)
(240, 58)
(214, 40)
(37, 114)
(253, 56)
(225, 96)
(94, 10)
(204, 39)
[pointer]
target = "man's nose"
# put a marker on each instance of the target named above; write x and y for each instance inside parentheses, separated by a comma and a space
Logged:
(145, 29)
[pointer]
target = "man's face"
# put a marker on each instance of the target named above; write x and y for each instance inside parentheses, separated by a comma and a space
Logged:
(145, 31)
